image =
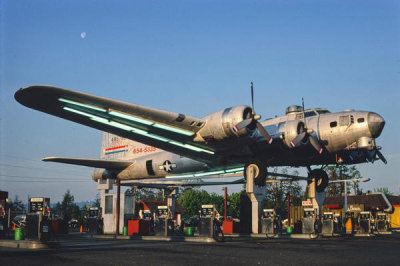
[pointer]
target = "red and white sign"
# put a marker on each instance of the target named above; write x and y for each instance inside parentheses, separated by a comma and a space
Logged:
(306, 203)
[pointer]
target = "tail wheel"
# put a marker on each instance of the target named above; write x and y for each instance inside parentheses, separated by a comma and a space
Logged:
(260, 172)
(321, 179)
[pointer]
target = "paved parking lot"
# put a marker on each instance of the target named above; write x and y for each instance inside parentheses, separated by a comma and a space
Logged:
(78, 250)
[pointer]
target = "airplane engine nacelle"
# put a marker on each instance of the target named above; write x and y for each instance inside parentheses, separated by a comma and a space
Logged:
(99, 173)
(290, 130)
(219, 125)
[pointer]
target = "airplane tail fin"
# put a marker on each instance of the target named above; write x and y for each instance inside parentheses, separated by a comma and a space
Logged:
(114, 147)
(117, 153)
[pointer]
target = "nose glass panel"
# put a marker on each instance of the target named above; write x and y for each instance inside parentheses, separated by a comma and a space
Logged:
(375, 124)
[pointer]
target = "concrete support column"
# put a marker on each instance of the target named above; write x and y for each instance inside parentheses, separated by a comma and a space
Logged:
(171, 201)
(118, 206)
(317, 198)
(256, 194)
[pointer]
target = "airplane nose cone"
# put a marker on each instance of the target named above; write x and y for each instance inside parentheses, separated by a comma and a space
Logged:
(375, 124)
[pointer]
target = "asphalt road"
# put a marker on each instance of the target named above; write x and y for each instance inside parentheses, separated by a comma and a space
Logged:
(75, 250)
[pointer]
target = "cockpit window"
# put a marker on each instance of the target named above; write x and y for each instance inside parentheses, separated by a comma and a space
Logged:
(333, 124)
(322, 111)
(309, 113)
(360, 120)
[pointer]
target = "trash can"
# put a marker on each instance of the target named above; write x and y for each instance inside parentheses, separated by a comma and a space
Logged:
(54, 226)
(18, 234)
(289, 230)
(189, 231)
(125, 231)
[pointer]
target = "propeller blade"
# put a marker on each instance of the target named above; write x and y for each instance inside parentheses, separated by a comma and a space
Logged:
(380, 155)
(264, 133)
(297, 139)
(314, 142)
(242, 124)
(252, 97)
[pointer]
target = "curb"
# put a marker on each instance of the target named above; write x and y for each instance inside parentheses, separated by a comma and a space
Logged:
(27, 244)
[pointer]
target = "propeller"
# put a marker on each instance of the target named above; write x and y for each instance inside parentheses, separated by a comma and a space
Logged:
(306, 133)
(253, 119)
(380, 155)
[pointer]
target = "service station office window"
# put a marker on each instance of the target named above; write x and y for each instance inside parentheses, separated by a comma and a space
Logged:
(109, 205)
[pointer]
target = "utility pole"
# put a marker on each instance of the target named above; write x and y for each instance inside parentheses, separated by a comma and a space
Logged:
(118, 205)
(288, 208)
(225, 201)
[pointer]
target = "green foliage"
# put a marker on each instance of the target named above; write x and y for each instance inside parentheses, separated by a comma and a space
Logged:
(67, 208)
(16, 204)
(97, 201)
(384, 190)
(192, 199)
(146, 193)
(234, 205)
(342, 172)
(276, 197)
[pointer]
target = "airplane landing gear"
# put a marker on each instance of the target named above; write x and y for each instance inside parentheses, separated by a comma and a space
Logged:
(321, 179)
(260, 172)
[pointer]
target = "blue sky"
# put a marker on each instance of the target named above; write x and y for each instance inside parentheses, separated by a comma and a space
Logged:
(192, 57)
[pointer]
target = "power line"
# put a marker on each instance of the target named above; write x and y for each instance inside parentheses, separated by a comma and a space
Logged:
(41, 178)
(47, 181)
(41, 169)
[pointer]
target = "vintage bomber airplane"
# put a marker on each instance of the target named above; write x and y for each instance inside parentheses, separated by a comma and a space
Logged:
(225, 142)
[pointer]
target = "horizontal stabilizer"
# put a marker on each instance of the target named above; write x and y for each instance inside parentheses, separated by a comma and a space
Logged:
(107, 164)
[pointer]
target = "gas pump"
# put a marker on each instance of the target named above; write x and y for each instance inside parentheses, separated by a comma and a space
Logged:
(349, 222)
(95, 221)
(3, 213)
(364, 220)
(163, 226)
(38, 224)
(269, 222)
(337, 223)
(206, 223)
(308, 221)
(328, 223)
(381, 222)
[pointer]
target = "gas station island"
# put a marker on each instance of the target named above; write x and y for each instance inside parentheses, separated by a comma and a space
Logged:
(122, 215)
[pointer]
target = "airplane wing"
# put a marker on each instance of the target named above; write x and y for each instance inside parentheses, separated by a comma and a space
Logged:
(177, 181)
(172, 132)
(163, 183)
(107, 164)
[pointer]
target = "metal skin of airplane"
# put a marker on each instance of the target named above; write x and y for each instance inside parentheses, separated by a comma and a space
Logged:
(143, 143)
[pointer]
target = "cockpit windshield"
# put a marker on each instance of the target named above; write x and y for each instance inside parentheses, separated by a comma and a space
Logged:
(309, 113)
(322, 111)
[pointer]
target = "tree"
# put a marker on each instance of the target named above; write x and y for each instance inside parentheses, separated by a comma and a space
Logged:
(67, 208)
(146, 193)
(16, 204)
(342, 172)
(383, 190)
(234, 205)
(97, 201)
(276, 197)
(192, 199)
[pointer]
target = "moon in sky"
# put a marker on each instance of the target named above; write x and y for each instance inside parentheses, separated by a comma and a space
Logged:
(83, 35)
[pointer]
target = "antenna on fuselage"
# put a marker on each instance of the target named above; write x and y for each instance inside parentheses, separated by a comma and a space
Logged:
(304, 115)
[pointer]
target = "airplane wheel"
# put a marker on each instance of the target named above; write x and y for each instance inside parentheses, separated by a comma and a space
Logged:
(260, 174)
(321, 179)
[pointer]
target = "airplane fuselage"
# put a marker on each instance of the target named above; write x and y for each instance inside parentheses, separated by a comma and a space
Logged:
(346, 137)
